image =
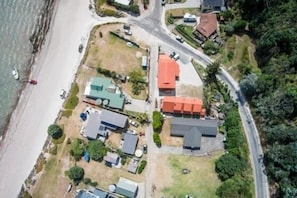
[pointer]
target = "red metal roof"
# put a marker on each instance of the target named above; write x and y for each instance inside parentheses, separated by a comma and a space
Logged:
(168, 71)
(207, 25)
(184, 105)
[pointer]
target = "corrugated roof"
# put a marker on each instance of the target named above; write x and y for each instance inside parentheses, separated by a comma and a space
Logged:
(185, 105)
(111, 157)
(105, 90)
(113, 118)
(92, 127)
(168, 71)
(192, 130)
(213, 3)
(192, 139)
(207, 25)
(127, 188)
(130, 142)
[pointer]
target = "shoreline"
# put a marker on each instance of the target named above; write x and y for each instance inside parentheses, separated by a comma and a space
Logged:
(37, 40)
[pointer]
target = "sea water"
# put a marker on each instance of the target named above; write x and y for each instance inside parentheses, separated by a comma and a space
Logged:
(17, 23)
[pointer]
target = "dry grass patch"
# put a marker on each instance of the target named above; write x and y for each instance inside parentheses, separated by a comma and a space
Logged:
(168, 140)
(190, 91)
(202, 181)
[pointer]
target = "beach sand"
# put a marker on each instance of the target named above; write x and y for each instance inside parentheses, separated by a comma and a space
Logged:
(40, 104)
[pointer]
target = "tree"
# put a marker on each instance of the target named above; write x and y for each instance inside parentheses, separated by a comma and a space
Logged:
(136, 76)
(157, 121)
(211, 71)
(248, 85)
(210, 48)
(77, 149)
(55, 131)
(76, 174)
(236, 187)
(227, 166)
(97, 150)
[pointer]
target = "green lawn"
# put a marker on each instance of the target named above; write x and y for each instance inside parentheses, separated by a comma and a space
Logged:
(202, 181)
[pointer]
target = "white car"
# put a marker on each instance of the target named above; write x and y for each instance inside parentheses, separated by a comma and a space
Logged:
(133, 123)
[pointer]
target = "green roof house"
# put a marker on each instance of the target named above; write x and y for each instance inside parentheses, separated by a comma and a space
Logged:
(105, 92)
(127, 188)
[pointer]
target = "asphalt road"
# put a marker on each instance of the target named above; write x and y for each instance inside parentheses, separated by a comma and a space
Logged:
(152, 23)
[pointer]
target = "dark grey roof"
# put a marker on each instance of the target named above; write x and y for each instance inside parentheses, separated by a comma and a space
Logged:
(192, 139)
(92, 127)
(127, 188)
(130, 142)
(113, 118)
(213, 3)
(181, 125)
(100, 193)
(192, 130)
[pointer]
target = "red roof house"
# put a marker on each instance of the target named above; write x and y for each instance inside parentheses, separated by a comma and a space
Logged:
(168, 72)
(207, 26)
(182, 105)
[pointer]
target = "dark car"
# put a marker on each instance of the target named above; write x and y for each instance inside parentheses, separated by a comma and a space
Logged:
(163, 2)
(144, 148)
(172, 55)
(80, 48)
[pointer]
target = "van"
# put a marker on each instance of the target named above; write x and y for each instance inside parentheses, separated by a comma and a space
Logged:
(62, 94)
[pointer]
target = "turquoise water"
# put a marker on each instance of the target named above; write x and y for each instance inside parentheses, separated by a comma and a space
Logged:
(17, 23)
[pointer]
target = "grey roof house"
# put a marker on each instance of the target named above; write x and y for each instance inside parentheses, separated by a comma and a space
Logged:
(130, 142)
(192, 130)
(127, 188)
(213, 5)
(97, 123)
(94, 128)
(111, 158)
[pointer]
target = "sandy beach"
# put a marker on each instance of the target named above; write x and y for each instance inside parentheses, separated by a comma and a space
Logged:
(39, 105)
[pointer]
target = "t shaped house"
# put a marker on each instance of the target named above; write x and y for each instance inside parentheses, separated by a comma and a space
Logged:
(192, 130)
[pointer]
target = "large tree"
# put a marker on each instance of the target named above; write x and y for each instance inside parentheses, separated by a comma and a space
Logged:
(55, 131)
(77, 149)
(76, 174)
(211, 71)
(97, 150)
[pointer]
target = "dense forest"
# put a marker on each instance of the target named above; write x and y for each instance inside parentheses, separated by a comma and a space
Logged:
(272, 93)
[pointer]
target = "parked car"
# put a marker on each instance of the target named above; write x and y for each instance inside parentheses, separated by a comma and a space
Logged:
(163, 2)
(176, 57)
(144, 148)
(128, 32)
(128, 101)
(172, 54)
(133, 123)
(62, 94)
(180, 39)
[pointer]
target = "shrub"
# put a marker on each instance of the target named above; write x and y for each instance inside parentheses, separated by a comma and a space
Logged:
(157, 139)
(94, 183)
(157, 121)
(71, 102)
(141, 166)
(108, 12)
(54, 150)
(55, 131)
(87, 181)
(67, 113)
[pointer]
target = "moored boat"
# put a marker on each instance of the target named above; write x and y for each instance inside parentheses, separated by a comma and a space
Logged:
(15, 73)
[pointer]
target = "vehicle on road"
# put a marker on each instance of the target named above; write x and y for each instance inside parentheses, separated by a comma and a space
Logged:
(144, 148)
(80, 48)
(128, 32)
(176, 57)
(15, 73)
(172, 54)
(33, 82)
(163, 2)
(62, 94)
(180, 39)
(128, 101)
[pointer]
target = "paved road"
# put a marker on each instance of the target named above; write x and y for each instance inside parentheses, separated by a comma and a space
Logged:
(153, 25)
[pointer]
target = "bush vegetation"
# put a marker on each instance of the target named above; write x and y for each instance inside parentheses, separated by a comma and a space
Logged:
(55, 131)
(141, 166)
(157, 121)
(157, 139)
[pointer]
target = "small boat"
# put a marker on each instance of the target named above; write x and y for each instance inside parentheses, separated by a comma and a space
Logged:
(15, 73)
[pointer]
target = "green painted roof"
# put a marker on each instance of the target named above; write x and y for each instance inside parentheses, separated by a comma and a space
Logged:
(106, 90)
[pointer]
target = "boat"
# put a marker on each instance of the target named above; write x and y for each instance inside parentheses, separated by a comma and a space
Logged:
(15, 73)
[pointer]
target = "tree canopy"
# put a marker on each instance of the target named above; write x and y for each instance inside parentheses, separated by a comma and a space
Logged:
(96, 150)
(76, 174)
(55, 131)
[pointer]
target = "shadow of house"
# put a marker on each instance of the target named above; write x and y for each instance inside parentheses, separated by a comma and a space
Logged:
(213, 6)
(168, 73)
(192, 130)
(206, 27)
(98, 123)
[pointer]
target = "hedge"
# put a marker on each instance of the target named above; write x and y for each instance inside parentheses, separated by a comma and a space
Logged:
(141, 166)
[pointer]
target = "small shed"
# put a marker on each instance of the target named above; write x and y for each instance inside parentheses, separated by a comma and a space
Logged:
(127, 188)
(132, 167)
(144, 63)
(111, 159)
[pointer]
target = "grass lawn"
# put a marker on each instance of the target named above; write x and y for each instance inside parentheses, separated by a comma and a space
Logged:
(242, 49)
(202, 181)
